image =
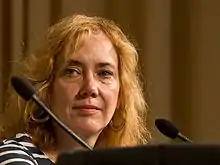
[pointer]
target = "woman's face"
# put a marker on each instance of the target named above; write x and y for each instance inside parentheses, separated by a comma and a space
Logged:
(85, 91)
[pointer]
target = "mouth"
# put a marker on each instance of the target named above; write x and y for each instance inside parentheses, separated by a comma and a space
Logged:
(87, 109)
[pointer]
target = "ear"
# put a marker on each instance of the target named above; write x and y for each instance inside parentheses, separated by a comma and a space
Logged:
(118, 105)
(118, 102)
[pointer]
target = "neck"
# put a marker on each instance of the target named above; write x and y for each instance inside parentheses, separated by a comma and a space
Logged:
(66, 143)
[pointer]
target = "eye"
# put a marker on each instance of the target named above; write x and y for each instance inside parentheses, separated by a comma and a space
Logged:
(71, 72)
(105, 73)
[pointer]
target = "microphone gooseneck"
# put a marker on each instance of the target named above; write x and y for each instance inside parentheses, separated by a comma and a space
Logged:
(169, 130)
(27, 92)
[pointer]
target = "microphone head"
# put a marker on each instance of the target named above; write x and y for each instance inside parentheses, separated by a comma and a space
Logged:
(166, 128)
(23, 87)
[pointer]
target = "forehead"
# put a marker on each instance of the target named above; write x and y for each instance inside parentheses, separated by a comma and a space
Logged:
(97, 45)
(94, 48)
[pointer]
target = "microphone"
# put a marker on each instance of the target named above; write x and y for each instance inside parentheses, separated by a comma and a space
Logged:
(27, 92)
(169, 130)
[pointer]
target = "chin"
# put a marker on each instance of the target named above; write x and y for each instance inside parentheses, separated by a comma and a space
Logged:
(87, 131)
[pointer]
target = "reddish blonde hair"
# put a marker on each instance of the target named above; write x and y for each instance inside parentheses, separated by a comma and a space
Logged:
(40, 68)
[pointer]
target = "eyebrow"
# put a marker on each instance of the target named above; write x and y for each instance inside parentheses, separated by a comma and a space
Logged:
(74, 63)
(100, 64)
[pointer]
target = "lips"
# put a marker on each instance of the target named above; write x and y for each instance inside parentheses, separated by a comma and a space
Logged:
(87, 110)
(87, 107)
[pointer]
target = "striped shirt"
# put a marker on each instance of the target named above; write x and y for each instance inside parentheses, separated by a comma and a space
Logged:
(19, 150)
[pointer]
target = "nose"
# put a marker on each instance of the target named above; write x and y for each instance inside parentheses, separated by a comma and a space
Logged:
(89, 87)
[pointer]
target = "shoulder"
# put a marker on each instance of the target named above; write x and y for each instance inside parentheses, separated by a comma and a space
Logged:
(20, 150)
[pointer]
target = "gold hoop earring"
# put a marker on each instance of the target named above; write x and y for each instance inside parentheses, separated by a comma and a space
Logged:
(39, 116)
(115, 127)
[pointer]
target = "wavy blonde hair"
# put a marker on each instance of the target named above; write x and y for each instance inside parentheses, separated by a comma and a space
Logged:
(40, 68)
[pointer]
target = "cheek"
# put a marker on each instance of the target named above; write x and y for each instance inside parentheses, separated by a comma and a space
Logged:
(111, 95)
(62, 94)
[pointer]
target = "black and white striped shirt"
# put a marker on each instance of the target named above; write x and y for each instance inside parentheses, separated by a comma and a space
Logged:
(19, 150)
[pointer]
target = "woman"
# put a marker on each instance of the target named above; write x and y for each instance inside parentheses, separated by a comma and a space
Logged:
(87, 73)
